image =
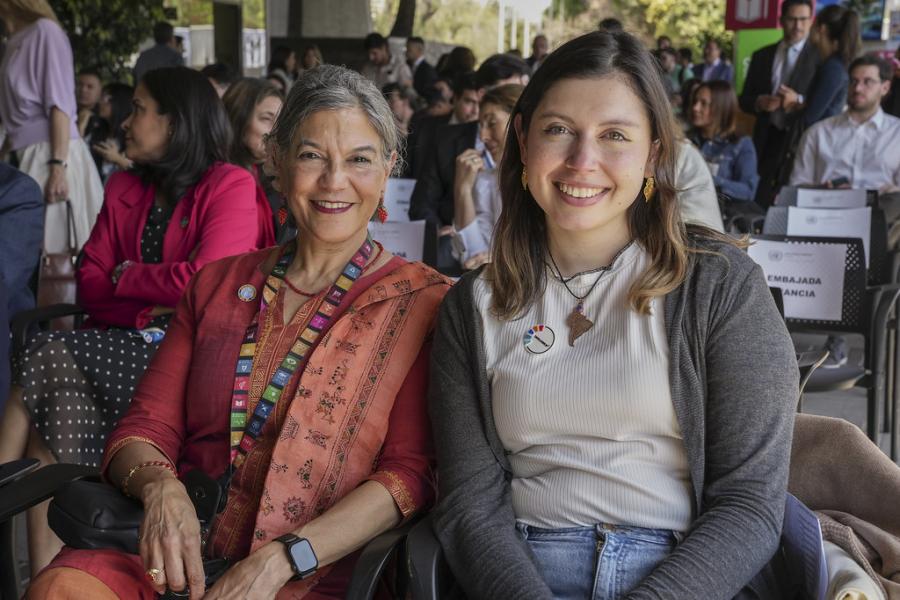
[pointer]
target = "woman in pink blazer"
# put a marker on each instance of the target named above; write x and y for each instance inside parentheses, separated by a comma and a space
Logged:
(180, 207)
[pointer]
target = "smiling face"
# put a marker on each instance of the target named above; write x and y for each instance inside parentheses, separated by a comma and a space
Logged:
(146, 131)
(260, 125)
(587, 151)
(334, 175)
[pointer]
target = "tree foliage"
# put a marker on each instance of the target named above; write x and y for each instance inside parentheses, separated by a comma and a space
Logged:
(689, 24)
(105, 33)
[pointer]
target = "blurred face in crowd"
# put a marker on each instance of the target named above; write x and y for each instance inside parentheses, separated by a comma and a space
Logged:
(88, 90)
(146, 131)
(492, 129)
(310, 59)
(334, 175)
(414, 51)
(711, 52)
(701, 111)
(401, 108)
(466, 106)
(260, 125)
(796, 22)
(540, 47)
(866, 89)
(587, 150)
(668, 61)
(378, 56)
(277, 82)
(290, 63)
(663, 42)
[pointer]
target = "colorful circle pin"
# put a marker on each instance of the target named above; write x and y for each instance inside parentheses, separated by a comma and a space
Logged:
(247, 292)
(539, 339)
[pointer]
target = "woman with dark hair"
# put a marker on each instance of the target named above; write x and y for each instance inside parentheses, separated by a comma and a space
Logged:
(114, 109)
(835, 33)
(612, 395)
(476, 190)
(179, 208)
(309, 406)
(283, 66)
(252, 106)
(460, 60)
(731, 157)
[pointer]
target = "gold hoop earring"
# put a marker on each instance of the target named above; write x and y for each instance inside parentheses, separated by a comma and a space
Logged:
(649, 188)
(524, 178)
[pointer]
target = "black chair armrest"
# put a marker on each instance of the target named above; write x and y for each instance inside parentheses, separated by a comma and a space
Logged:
(39, 485)
(430, 575)
(22, 322)
(16, 469)
(373, 560)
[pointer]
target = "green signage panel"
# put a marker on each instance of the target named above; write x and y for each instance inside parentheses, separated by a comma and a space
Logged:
(746, 42)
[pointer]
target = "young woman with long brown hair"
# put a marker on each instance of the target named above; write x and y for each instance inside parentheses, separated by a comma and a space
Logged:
(612, 396)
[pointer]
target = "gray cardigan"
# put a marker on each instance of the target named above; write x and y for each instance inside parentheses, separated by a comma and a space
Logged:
(734, 381)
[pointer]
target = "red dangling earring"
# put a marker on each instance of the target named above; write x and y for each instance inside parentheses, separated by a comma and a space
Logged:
(282, 215)
(382, 211)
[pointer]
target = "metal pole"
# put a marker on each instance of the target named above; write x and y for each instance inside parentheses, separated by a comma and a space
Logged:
(526, 36)
(513, 28)
(500, 25)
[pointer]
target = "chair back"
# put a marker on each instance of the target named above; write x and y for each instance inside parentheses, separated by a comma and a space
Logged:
(412, 240)
(813, 273)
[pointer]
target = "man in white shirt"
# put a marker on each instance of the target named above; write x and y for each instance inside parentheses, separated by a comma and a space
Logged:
(383, 67)
(859, 148)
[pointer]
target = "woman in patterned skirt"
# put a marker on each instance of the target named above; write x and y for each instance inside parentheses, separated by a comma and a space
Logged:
(180, 208)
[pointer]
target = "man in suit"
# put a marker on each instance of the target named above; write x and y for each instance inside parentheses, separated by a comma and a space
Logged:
(21, 237)
(432, 198)
(540, 48)
(792, 62)
(713, 68)
(424, 75)
(163, 54)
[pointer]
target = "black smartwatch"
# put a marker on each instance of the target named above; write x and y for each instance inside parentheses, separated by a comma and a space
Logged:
(300, 554)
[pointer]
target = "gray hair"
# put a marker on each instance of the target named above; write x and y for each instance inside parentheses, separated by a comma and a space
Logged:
(330, 87)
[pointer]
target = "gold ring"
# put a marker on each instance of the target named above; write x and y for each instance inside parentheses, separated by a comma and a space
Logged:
(153, 574)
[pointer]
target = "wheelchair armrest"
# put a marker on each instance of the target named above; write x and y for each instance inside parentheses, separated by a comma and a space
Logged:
(39, 485)
(23, 321)
(373, 560)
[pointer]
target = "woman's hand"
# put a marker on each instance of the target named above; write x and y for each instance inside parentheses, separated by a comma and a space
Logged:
(477, 260)
(170, 536)
(260, 575)
(790, 100)
(109, 150)
(57, 188)
(468, 164)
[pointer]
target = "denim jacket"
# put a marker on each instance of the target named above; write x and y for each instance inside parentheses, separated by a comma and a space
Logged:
(735, 173)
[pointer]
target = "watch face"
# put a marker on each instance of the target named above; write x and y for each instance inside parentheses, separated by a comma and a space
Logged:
(304, 558)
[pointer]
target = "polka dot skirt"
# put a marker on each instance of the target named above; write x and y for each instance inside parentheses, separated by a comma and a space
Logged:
(78, 384)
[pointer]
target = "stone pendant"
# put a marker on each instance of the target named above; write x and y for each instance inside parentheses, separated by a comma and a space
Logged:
(578, 324)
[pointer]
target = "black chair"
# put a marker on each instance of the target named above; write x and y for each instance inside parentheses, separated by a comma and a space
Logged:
(865, 311)
(374, 560)
(26, 486)
(430, 576)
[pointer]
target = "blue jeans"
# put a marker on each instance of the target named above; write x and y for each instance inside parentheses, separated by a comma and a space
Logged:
(602, 562)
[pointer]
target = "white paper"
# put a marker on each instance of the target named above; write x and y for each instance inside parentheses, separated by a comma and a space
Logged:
(406, 240)
(832, 222)
(818, 198)
(396, 198)
(810, 275)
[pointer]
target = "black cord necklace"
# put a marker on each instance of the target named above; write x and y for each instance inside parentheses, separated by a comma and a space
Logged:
(578, 323)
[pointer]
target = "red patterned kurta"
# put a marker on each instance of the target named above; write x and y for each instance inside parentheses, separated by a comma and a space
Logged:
(356, 413)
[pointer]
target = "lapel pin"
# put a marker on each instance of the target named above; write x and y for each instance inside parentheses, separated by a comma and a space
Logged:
(247, 292)
(184, 222)
(538, 339)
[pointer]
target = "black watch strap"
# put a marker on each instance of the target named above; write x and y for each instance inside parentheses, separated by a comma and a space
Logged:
(300, 554)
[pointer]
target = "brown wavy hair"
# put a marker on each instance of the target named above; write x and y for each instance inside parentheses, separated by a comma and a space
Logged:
(517, 270)
(723, 106)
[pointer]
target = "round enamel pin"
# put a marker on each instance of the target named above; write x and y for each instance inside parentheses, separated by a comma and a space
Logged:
(538, 339)
(247, 292)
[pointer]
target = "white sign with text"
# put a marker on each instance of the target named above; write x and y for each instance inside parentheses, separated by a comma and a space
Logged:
(810, 275)
(396, 198)
(406, 240)
(832, 222)
(819, 198)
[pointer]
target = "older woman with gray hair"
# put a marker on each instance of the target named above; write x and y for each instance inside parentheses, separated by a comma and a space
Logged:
(283, 375)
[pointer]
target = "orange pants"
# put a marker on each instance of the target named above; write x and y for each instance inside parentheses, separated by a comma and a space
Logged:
(66, 583)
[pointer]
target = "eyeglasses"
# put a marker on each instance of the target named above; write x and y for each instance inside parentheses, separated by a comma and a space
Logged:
(795, 20)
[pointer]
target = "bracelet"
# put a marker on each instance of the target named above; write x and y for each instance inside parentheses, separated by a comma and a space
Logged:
(56, 161)
(120, 268)
(164, 464)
